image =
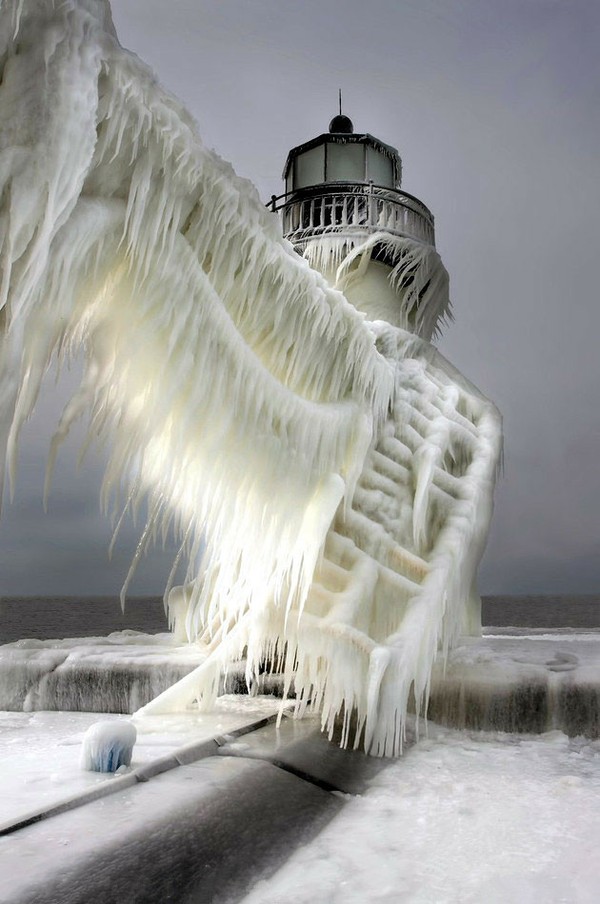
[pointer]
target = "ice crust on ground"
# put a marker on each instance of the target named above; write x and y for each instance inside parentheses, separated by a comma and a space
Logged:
(337, 473)
(463, 818)
(40, 751)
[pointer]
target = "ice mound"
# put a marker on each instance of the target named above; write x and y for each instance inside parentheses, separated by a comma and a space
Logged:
(107, 746)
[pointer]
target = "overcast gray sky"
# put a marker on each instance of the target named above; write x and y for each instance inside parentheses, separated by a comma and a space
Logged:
(493, 105)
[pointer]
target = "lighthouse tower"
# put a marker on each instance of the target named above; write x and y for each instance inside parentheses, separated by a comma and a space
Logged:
(344, 210)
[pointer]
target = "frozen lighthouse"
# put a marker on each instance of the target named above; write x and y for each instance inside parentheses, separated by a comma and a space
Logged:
(328, 474)
(395, 584)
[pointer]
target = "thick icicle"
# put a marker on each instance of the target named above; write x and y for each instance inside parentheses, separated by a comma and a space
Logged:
(417, 275)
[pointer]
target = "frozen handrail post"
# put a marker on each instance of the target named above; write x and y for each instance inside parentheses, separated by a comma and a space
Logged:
(337, 470)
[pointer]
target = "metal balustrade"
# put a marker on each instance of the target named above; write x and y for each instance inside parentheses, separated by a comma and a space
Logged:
(326, 208)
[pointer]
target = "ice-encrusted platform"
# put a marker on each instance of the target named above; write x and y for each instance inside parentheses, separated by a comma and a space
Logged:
(521, 680)
(210, 803)
(511, 679)
(214, 822)
(116, 674)
(510, 817)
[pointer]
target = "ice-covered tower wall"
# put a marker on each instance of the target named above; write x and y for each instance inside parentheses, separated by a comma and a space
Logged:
(240, 395)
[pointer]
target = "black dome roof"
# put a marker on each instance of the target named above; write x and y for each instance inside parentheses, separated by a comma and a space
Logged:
(341, 124)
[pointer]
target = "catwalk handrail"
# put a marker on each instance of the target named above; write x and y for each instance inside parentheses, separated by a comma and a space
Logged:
(335, 207)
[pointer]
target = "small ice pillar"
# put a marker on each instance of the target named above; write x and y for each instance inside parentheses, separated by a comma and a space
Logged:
(107, 746)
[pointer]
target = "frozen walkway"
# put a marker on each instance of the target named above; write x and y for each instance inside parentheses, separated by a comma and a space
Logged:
(39, 752)
(463, 817)
(202, 830)
(206, 813)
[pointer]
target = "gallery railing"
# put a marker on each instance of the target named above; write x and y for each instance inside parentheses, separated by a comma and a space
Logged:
(342, 207)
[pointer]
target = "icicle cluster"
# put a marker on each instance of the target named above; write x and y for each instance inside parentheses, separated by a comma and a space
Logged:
(395, 587)
(417, 275)
(238, 392)
(242, 398)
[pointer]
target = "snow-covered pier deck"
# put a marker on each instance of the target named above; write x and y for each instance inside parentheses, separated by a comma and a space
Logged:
(215, 803)
(210, 803)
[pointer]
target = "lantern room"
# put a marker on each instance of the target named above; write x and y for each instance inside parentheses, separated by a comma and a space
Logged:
(340, 155)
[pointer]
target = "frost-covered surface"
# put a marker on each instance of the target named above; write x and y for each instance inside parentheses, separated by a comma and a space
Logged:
(241, 396)
(40, 752)
(517, 681)
(118, 673)
(460, 819)
(515, 654)
(513, 680)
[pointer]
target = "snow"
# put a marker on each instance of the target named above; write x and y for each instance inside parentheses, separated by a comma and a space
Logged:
(329, 478)
(188, 834)
(462, 817)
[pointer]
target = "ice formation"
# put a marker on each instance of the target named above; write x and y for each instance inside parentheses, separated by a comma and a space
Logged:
(330, 477)
(107, 746)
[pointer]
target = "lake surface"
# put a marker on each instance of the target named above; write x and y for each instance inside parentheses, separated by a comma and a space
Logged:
(51, 617)
(542, 611)
(90, 616)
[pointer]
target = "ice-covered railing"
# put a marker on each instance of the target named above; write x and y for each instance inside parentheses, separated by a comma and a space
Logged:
(239, 394)
(352, 207)
(340, 228)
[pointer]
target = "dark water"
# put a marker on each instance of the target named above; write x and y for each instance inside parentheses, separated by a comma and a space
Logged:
(51, 617)
(89, 616)
(542, 611)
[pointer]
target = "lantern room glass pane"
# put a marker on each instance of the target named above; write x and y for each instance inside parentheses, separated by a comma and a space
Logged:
(345, 162)
(310, 167)
(379, 168)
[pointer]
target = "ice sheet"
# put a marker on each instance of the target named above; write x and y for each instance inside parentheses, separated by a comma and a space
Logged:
(462, 819)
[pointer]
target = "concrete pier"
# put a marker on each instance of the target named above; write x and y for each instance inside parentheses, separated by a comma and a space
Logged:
(215, 802)
(199, 823)
(521, 680)
(516, 680)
